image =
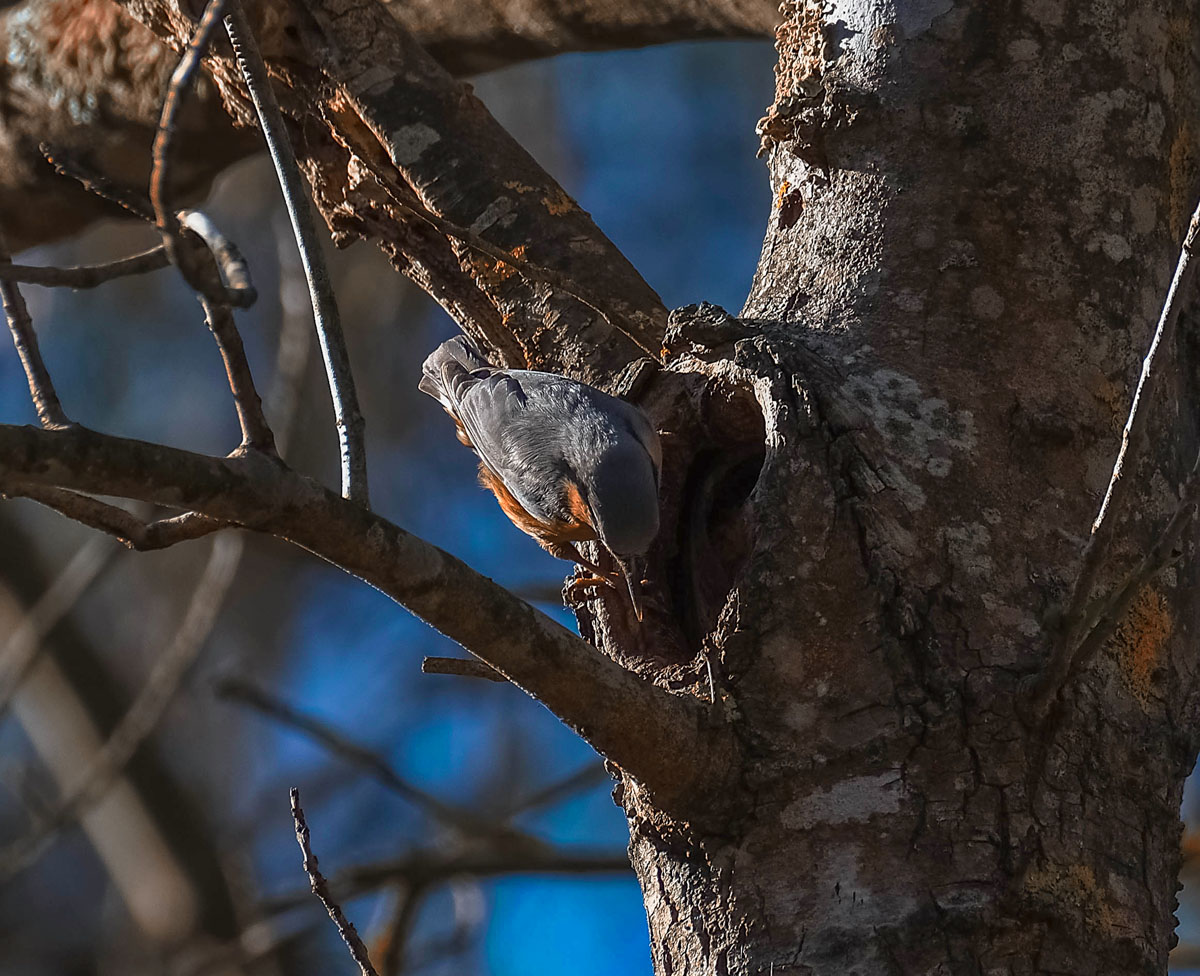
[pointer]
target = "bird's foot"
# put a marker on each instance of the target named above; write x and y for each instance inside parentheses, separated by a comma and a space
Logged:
(576, 590)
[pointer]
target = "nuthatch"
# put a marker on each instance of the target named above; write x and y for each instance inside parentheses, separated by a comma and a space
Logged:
(566, 462)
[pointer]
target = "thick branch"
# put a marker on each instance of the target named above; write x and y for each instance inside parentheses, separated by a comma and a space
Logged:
(388, 133)
(83, 74)
(642, 728)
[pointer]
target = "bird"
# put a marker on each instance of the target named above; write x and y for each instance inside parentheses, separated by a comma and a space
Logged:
(567, 462)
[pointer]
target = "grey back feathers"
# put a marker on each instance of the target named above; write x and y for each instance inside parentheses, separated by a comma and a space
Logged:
(540, 432)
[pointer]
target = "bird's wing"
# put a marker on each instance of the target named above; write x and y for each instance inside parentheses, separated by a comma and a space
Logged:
(515, 433)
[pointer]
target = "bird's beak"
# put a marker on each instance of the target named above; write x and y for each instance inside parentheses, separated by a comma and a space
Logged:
(631, 569)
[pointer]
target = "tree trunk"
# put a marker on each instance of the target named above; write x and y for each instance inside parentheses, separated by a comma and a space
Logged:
(978, 207)
(878, 483)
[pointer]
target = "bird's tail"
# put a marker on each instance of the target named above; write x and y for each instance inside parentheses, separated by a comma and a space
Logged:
(450, 363)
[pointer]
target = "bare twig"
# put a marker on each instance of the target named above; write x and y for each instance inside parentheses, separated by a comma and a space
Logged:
(41, 387)
(320, 888)
(66, 163)
(165, 217)
(201, 267)
(235, 285)
(1135, 424)
(88, 275)
(256, 432)
(349, 419)
(465, 667)
(1084, 615)
(111, 520)
(20, 651)
(147, 708)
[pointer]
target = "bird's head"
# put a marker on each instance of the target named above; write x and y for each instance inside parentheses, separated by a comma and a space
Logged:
(622, 492)
(621, 489)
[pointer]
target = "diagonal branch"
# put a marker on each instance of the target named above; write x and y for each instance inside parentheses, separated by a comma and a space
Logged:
(243, 692)
(41, 387)
(1102, 616)
(20, 652)
(146, 710)
(112, 520)
(347, 415)
(198, 264)
(320, 888)
(1134, 431)
(1082, 631)
(639, 726)
(373, 107)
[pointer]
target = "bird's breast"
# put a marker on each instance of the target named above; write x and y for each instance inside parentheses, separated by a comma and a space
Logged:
(574, 525)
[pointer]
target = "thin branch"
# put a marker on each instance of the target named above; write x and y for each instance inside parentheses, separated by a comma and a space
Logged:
(256, 432)
(320, 888)
(347, 415)
(67, 163)
(147, 709)
(642, 728)
(1081, 632)
(591, 774)
(21, 651)
(88, 275)
(165, 217)
(464, 667)
(1103, 615)
(1096, 551)
(429, 868)
(41, 387)
(235, 285)
(238, 690)
(200, 265)
(120, 524)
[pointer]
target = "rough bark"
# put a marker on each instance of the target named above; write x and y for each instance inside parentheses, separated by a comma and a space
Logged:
(877, 481)
(978, 208)
(82, 75)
